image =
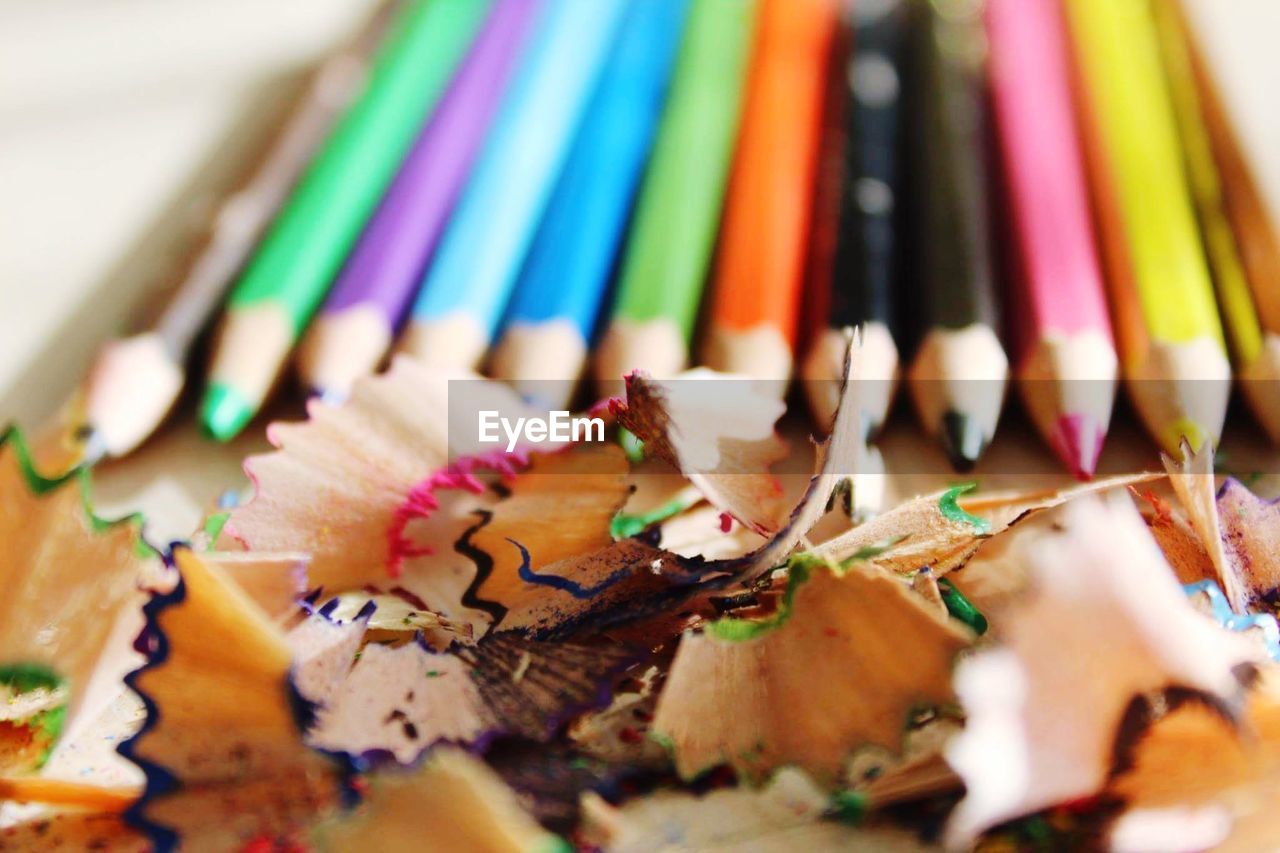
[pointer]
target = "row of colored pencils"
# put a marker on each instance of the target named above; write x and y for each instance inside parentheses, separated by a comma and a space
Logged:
(532, 186)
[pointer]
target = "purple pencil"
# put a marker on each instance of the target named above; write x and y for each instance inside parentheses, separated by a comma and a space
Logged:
(356, 325)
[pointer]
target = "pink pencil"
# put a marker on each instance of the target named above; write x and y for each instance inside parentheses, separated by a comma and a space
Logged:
(1065, 355)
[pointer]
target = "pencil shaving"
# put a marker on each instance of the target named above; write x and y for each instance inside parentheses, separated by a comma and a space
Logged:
(393, 513)
(722, 439)
(631, 580)
(790, 813)
(1251, 535)
(275, 582)
(1045, 707)
(856, 640)
(404, 700)
(945, 529)
(67, 577)
(221, 720)
(453, 799)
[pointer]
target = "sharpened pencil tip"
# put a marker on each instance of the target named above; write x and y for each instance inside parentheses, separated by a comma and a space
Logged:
(224, 412)
(93, 447)
(329, 396)
(1181, 429)
(1077, 439)
(963, 440)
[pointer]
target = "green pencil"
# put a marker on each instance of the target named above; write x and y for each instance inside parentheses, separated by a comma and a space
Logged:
(289, 274)
(669, 249)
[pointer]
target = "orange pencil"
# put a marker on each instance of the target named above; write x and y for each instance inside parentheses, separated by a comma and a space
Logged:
(760, 271)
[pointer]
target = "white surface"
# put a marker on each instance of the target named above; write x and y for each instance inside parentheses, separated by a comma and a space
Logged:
(119, 121)
(64, 54)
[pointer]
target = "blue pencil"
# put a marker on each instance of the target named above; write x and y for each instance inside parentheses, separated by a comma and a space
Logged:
(560, 290)
(467, 286)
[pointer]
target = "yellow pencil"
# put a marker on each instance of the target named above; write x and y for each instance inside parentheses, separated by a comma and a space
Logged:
(1170, 335)
(1239, 317)
(1228, 52)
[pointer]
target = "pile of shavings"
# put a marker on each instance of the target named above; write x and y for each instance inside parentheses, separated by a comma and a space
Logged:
(401, 644)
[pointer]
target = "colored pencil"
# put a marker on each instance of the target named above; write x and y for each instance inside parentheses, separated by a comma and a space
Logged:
(1066, 360)
(293, 267)
(677, 214)
(855, 278)
(755, 298)
(959, 372)
(354, 330)
(1231, 58)
(1240, 320)
(825, 231)
(469, 282)
(134, 381)
(1166, 321)
(1235, 302)
(559, 293)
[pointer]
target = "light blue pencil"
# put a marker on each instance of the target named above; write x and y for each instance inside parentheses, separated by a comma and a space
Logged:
(559, 292)
(467, 286)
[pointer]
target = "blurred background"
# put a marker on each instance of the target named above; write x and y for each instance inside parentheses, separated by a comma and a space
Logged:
(121, 123)
(916, 166)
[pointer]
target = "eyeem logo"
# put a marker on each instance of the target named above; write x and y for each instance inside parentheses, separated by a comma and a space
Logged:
(557, 427)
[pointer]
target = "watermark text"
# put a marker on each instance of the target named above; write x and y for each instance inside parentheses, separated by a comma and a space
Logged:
(558, 427)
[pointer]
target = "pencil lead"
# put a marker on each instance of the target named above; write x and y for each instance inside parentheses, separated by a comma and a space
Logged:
(1077, 439)
(1186, 429)
(130, 390)
(328, 395)
(224, 412)
(93, 446)
(963, 440)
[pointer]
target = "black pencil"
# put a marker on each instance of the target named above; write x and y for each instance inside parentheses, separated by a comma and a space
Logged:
(959, 372)
(861, 163)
